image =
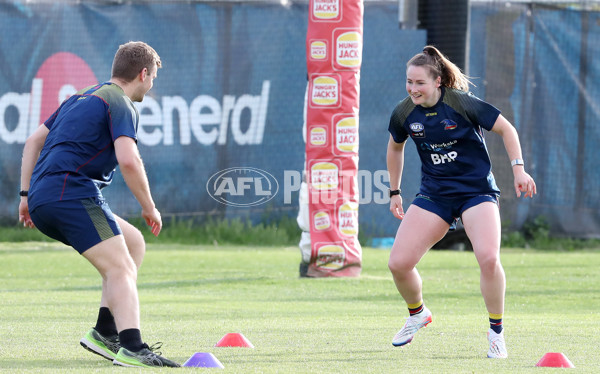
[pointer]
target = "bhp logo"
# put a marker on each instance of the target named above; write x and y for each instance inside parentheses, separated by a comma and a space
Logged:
(242, 186)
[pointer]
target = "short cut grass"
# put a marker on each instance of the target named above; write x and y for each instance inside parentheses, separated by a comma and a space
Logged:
(192, 295)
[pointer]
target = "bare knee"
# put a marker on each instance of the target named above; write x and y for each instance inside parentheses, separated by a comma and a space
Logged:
(122, 269)
(136, 246)
(399, 267)
(112, 259)
(490, 265)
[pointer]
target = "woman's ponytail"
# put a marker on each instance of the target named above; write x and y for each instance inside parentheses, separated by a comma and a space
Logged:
(440, 66)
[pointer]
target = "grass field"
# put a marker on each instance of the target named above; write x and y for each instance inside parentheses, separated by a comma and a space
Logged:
(191, 296)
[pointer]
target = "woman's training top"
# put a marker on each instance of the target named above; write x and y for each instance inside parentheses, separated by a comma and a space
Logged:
(450, 142)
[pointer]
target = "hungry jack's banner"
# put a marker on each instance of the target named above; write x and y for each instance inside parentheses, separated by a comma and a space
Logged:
(333, 54)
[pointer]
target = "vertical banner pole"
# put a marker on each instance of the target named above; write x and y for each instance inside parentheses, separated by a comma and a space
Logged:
(333, 55)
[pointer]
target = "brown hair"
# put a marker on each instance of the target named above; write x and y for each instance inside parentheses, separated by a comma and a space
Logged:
(131, 58)
(440, 66)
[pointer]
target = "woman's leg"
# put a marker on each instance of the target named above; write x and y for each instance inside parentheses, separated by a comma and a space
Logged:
(482, 225)
(418, 232)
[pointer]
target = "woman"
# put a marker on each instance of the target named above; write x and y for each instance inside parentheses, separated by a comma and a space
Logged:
(446, 121)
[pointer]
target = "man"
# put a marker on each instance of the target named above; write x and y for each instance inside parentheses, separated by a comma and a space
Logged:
(66, 162)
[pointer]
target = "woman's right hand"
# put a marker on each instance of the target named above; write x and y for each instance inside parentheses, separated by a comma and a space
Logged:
(396, 206)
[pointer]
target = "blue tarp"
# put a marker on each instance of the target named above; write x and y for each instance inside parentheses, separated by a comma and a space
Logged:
(232, 89)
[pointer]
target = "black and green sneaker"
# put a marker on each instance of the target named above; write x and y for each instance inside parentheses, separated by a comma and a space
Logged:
(105, 346)
(146, 357)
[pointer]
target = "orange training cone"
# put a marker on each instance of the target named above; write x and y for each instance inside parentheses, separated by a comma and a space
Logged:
(555, 360)
(234, 339)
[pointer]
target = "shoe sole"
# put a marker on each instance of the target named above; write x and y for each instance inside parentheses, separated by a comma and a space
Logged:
(408, 342)
(119, 363)
(496, 357)
(95, 349)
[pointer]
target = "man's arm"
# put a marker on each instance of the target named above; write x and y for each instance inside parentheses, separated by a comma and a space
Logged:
(31, 153)
(134, 174)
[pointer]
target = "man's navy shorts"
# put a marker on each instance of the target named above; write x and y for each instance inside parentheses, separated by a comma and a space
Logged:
(451, 209)
(79, 223)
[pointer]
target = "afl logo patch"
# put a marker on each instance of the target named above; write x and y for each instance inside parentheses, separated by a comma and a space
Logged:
(417, 129)
(449, 124)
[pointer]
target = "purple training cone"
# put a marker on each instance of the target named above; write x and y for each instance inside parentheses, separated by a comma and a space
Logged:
(203, 360)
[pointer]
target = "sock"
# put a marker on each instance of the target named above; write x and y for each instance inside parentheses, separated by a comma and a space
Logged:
(496, 323)
(131, 339)
(105, 324)
(415, 308)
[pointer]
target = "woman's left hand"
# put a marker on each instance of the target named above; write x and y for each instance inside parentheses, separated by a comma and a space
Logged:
(524, 183)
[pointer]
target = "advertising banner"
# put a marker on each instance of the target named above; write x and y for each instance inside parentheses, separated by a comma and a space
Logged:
(334, 55)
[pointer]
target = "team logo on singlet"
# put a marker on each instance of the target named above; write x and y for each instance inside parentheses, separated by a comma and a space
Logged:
(441, 153)
(438, 147)
(448, 124)
(417, 129)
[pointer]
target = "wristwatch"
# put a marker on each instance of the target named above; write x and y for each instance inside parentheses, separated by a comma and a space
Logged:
(395, 192)
(23, 193)
(517, 161)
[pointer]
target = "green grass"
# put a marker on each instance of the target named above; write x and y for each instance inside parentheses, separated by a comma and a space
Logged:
(191, 296)
(276, 230)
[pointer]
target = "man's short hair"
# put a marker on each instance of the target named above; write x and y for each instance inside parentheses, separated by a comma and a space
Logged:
(131, 58)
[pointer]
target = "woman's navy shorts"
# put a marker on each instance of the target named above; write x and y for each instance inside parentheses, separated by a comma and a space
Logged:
(451, 209)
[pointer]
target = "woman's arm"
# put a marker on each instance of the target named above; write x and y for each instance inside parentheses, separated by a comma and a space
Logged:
(523, 182)
(395, 165)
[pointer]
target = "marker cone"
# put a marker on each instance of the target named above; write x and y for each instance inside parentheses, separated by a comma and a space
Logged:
(555, 360)
(203, 360)
(234, 339)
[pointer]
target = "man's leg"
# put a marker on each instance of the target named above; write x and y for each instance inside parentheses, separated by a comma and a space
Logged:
(119, 273)
(136, 246)
(119, 296)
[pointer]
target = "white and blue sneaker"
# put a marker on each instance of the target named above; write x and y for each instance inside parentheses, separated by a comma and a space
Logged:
(412, 325)
(497, 345)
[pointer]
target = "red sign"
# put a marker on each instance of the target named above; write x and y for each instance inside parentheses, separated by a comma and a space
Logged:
(334, 56)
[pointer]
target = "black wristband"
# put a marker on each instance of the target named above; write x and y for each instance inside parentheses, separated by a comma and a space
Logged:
(395, 192)
(23, 193)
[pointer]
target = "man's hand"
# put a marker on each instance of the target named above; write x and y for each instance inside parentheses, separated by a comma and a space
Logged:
(153, 220)
(24, 213)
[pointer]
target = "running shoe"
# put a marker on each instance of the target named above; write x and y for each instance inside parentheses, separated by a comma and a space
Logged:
(146, 357)
(497, 345)
(412, 325)
(105, 346)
